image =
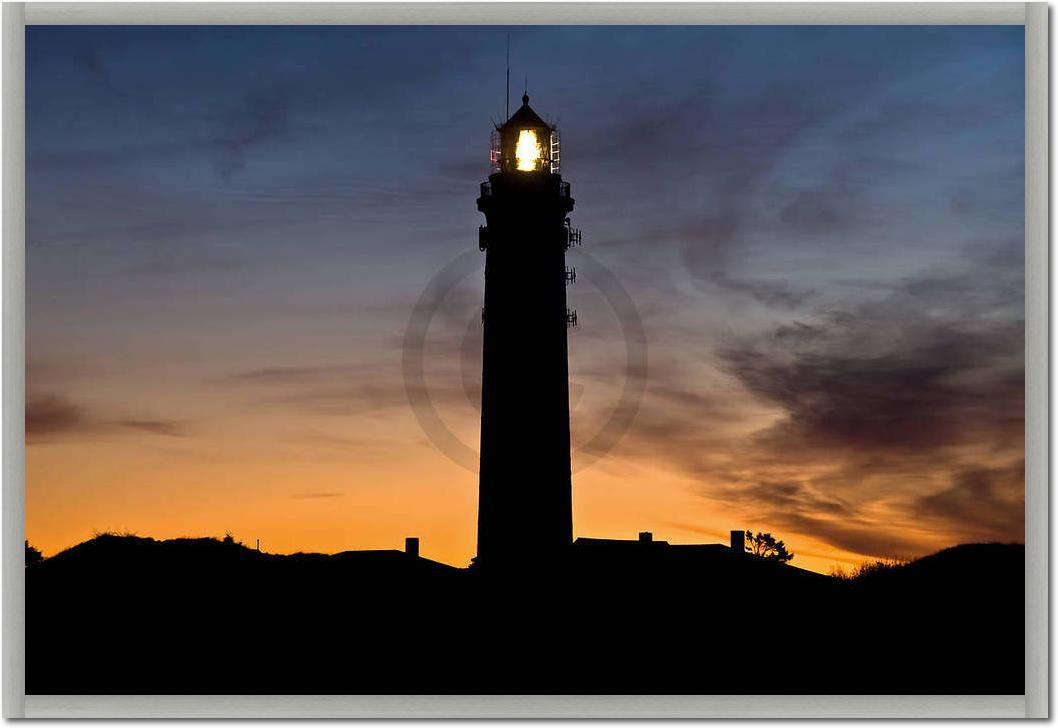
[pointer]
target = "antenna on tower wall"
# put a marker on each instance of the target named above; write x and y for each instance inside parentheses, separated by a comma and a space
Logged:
(507, 97)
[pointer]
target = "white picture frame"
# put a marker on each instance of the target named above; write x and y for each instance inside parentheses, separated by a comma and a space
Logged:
(1033, 704)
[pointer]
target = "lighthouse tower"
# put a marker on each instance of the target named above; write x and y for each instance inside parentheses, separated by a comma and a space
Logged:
(525, 500)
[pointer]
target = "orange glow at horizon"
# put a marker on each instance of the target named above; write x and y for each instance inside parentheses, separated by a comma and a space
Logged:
(316, 503)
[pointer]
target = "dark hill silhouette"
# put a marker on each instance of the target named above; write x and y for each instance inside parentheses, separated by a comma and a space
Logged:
(123, 614)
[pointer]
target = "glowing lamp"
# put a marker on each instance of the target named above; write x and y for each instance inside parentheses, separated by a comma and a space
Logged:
(527, 151)
(525, 143)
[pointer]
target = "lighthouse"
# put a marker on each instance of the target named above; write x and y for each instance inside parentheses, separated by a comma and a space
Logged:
(525, 512)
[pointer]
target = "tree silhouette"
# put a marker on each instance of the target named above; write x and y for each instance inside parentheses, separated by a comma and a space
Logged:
(33, 556)
(765, 546)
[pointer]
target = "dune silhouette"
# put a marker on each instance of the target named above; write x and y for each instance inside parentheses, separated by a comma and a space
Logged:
(125, 614)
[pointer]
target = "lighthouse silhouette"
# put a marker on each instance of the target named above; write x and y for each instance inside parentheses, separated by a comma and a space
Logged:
(525, 511)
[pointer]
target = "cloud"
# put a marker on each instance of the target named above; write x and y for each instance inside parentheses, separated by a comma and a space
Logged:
(694, 528)
(90, 60)
(311, 496)
(888, 423)
(259, 119)
(916, 370)
(982, 500)
(866, 537)
(299, 374)
(54, 417)
(168, 428)
(188, 260)
(343, 389)
(327, 389)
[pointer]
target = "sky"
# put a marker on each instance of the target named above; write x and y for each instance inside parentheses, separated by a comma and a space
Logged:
(819, 228)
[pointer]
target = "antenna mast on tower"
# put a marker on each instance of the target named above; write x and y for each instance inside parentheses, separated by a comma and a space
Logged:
(507, 97)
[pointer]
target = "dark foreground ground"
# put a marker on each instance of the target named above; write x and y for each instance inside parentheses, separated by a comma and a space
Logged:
(130, 615)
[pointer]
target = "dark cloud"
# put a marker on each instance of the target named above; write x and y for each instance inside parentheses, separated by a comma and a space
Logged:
(982, 502)
(341, 399)
(469, 171)
(792, 495)
(90, 60)
(862, 536)
(168, 428)
(730, 157)
(53, 417)
(229, 132)
(178, 260)
(912, 371)
(259, 119)
(339, 389)
(300, 374)
(840, 203)
(695, 528)
(711, 253)
(777, 294)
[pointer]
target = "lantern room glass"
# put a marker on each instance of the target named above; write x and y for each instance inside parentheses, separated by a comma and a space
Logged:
(524, 149)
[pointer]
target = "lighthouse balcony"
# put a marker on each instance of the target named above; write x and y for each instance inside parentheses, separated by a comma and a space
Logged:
(572, 235)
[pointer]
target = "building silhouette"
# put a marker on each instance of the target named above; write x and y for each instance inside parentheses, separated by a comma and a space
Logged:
(525, 498)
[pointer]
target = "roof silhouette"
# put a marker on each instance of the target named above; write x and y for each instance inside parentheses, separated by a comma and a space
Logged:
(525, 117)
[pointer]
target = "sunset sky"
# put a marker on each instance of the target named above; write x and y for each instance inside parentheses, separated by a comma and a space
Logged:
(821, 229)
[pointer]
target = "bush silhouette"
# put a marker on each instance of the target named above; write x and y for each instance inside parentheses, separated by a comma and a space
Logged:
(33, 556)
(868, 569)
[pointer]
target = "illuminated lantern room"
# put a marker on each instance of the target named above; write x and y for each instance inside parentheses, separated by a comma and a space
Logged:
(526, 143)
